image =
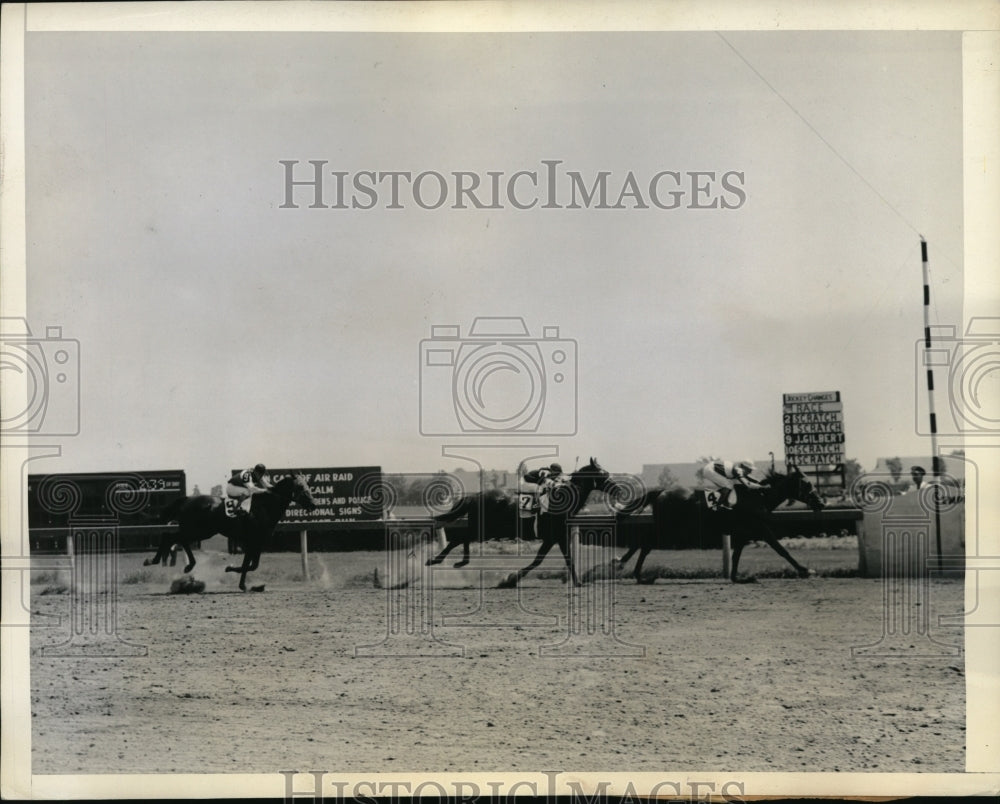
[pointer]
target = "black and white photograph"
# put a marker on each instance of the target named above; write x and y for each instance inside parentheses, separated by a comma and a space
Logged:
(494, 398)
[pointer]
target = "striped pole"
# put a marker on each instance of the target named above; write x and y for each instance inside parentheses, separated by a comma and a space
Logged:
(935, 460)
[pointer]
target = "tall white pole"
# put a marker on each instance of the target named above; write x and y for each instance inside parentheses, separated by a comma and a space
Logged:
(928, 364)
(304, 548)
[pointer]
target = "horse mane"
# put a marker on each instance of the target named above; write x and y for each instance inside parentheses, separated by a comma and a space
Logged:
(289, 480)
(773, 474)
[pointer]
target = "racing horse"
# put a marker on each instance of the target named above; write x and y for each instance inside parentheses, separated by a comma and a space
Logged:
(565, 500)
(492, 514)
(202, 516)
(679, 509)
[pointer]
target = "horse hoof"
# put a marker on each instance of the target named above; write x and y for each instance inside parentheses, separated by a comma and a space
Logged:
(808, 573)
(148, 562)
(232, 569)
(188, 568)
(461, 563)
(430, 562)
(745, 579)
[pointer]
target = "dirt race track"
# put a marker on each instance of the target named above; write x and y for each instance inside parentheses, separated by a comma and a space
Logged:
(756, 677)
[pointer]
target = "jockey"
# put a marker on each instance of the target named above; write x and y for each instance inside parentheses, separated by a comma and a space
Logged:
(553, 474)
(242, 486)
(548, 478)
(724, 476)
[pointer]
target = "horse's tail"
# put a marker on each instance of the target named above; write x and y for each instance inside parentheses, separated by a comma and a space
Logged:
(635, 506)
(171, 511)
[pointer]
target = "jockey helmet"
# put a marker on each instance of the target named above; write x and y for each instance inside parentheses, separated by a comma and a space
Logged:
(746, 467)
(259, 469)
(556, 468)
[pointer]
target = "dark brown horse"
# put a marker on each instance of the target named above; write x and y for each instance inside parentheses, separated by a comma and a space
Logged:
(492, 514)
(679, 510)
(201, 517)
(565, 501)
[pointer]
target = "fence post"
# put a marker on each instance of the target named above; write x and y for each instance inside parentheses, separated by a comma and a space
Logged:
(304, 546)
(71, 552)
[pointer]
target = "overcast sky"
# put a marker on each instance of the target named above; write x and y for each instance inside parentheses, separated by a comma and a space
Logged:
(218, 329)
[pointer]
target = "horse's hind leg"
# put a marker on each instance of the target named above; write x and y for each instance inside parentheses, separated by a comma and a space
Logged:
(166, 540)
(190, 555)
(637, 573)
(539, 557)
(803, 572)
(465, 554)
(624, 559)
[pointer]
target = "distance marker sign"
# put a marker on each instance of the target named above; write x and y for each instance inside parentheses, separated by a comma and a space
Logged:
(813, 426)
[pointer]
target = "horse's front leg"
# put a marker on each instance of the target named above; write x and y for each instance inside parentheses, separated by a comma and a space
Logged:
(254, 560)
(247, 562)
(243, 569)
